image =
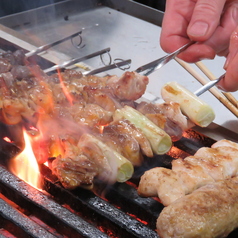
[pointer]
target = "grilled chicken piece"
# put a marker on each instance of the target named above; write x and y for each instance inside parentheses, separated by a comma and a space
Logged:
(161, 182)
(191, 175)
(125, 144)
(170, 185)
(90, 115)
(12, 110)
(74, 169)
(167, 116)
(6, 80)
(206, 166)
(225, 142)
(77, 80)
(21, 72)
(5, 66)
(15, 58)
(73, 172)
(130, 86)
(209, 212)
(104, 100)
(170, 109)
(220, 163)
(79, 164)
(94, 152)
(9, 59)
(125, 127)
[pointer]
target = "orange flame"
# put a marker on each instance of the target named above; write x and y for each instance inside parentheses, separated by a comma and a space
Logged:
(65, 91)
(56, 149)
(25, 165)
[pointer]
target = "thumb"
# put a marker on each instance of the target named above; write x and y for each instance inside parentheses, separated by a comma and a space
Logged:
(205, 19)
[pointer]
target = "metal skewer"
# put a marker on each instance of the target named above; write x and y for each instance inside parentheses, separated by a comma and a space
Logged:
(47, 46)
(74, 61)
(108, 67)
(157, 64)
(207, 86)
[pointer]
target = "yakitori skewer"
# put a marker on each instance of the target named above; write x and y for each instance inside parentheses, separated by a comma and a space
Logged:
(76, 60)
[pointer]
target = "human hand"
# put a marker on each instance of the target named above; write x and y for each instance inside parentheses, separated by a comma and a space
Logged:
(230, 81)
(210, 23)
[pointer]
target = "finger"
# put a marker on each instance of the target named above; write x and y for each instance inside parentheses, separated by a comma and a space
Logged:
(175, 23)
(233, 49)
(230, 82)
(196, 53)
(219, 41)
(205, 19)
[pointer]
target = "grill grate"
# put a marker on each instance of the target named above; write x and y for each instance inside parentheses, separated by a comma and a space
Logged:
(115, 211)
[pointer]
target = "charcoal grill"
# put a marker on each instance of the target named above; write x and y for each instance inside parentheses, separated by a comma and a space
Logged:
(114, 211)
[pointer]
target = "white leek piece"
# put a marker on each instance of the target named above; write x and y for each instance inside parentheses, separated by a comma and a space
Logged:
(159, 140)
(198, 111)
(121, 167)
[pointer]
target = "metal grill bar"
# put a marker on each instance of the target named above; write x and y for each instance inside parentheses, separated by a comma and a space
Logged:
(19, 224)
(103, 212)
(39, 204)
(3, 236)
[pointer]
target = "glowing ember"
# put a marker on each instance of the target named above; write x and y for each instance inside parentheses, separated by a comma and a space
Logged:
(25, 165)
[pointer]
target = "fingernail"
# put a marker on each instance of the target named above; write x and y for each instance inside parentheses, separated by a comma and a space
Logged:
(219, 85)
(199, 28)
(226, 62)
(205, 58)
(221, 88)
